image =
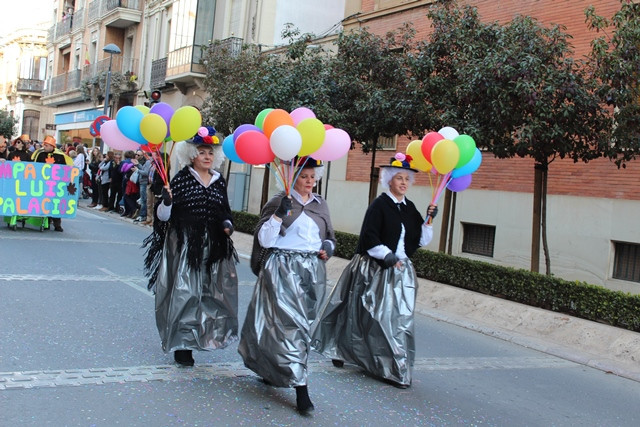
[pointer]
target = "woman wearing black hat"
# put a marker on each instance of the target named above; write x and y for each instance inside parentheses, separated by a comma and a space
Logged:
(191, 259)
(297, 231)
(368, 317)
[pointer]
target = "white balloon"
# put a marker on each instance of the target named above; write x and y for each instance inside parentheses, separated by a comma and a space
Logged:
(448, 132)
(285, 142)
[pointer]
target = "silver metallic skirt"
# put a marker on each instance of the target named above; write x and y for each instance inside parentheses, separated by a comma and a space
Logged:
(367, 319)
(275, 339)
(195, 309)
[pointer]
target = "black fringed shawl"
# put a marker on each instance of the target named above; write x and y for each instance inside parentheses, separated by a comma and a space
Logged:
(196, 209)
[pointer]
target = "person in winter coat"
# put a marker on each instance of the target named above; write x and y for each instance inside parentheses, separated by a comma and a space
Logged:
(367, 319)
(190, 260)
(276, 335)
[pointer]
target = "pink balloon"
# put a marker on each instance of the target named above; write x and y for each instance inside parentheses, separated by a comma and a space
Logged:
(301, 113)
(111, 135)
(336, 144)
(327, 127)
(253, 147)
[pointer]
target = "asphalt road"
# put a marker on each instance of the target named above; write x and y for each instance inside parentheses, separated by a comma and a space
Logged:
(79, 347)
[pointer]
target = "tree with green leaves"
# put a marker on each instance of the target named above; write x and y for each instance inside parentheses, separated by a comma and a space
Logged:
(615, 62)
(241, 84)
(519, 92)
(368, 88)
(7, 124)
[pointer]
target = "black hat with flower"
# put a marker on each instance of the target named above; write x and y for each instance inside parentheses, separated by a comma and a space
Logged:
(206, 136)
(401, 161)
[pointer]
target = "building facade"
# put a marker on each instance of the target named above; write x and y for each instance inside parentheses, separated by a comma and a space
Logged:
(23, 59)
(592, 208)
(77, 65)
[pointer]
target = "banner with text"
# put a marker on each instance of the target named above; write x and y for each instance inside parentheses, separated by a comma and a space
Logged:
(38, 189)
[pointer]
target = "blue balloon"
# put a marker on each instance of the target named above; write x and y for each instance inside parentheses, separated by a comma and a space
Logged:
(229, 150)
(128, 120)
(470, 167)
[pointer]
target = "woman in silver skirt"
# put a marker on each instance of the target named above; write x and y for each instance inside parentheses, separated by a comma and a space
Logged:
(296, 231)
(191, 259)
(367, 319)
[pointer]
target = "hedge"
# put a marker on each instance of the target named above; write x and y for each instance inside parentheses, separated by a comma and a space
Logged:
(575, 298)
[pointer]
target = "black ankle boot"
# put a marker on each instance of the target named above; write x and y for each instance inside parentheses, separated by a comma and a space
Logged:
(305, 407)
(183, 357)
(337, 363)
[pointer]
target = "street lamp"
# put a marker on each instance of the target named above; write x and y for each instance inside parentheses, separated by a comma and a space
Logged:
(110, 49)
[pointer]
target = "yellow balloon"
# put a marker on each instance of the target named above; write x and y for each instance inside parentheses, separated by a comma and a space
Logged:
(184, 123)
(313, 133)
(153, 128)
(445, 155)
(143, 108)
(418, 162)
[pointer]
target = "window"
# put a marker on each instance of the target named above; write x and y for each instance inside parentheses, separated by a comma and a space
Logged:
(31, 123)
(478, 239)
(626, 263)
(387, 142)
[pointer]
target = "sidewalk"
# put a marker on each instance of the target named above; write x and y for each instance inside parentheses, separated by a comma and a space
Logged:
(607, 348)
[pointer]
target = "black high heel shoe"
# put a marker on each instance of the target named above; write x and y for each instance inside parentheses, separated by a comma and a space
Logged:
(183, 357)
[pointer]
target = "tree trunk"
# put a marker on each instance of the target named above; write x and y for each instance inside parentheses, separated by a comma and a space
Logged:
(537, 213)
(543, 220)
(452, 220)
(265, 187)
(374, 173)
(446, 211)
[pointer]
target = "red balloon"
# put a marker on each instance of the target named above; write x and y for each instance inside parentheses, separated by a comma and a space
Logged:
(429, 140)
(253, 147)
(327, 127)
(146, 148)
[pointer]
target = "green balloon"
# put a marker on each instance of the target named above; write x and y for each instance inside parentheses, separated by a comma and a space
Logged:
(467, 147)
(260, 117)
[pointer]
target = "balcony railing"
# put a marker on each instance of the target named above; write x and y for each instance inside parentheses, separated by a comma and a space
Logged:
(78, 19)
(30, 85)
(99, 8)
(233, 45)
(62, 83)
(120, 64)
(63, 28)
(158, 73)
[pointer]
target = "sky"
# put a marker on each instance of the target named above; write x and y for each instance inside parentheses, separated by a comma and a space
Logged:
(16, 14)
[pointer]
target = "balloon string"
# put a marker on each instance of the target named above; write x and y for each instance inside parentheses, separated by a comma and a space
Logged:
(298, 170)
(277, 173)
(157, 161)
(445, 181)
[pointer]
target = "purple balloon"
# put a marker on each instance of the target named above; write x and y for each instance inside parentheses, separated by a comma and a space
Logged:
(460, 183)
(243, 128)
(165, 111)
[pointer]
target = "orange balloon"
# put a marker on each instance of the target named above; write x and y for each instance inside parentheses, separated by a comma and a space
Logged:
(275, 119)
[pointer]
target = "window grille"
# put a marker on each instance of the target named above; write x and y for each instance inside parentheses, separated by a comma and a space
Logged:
(626, 263)
(478, 239)
(387, 142)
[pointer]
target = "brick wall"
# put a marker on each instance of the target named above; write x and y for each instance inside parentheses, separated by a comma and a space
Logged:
(598, 178)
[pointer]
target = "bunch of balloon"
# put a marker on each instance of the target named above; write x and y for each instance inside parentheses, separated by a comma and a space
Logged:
(280, 140)
(145, 128)
(451, 158)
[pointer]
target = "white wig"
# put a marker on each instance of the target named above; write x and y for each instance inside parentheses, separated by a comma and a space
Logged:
(318, 170)
(186, 151)
(387, 173)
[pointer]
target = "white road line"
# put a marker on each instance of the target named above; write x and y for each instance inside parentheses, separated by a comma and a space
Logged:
(99, 376)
